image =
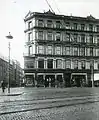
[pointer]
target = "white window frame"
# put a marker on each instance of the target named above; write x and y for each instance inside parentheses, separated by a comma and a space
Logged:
(49, 34)
(59, 63)
(40, 35)
(58, 35)
(41, 50)
(58, 50)
(49, 49)
(68, 64)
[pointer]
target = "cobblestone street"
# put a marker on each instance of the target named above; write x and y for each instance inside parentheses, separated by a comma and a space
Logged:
(50, 104)
(77, 112)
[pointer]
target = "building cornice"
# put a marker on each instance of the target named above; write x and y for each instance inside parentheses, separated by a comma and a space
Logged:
(51, 15)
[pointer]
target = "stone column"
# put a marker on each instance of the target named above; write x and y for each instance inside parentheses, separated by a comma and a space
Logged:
(63, 64)
(45, 64)
(54, 63)
(36, 63)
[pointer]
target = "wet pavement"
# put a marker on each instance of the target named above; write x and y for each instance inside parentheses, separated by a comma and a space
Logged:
(50, 104)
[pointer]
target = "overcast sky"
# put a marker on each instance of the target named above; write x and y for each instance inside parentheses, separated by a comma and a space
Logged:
(12, 13)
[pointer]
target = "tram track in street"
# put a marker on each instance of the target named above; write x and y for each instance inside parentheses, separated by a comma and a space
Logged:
(29, 105)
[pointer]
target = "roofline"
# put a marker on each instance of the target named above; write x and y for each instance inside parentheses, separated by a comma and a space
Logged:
(57, 16)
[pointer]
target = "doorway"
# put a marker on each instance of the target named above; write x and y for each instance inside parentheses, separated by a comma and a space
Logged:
(50, 81)
(78, 80)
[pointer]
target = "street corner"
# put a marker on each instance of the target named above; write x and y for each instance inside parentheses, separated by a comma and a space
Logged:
(12, 94)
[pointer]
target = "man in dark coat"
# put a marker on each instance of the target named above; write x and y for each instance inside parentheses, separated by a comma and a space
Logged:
(3, 86)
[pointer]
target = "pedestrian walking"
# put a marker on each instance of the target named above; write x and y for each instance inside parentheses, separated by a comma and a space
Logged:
(3, 86)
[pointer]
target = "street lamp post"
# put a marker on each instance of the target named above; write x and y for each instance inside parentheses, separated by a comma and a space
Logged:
(9, 37)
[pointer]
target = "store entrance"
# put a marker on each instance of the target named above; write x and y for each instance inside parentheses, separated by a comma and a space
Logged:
(78, 80)
(50, 81)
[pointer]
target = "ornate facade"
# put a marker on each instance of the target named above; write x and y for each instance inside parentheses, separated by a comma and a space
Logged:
(60, 50)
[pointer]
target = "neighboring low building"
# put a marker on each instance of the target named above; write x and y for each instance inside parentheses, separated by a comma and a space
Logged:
(60, 50)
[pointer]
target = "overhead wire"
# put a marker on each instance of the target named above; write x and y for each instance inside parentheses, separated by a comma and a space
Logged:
(49, 6)
(56, 6)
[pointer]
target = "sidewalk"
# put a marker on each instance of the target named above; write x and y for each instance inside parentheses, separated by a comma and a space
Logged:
(13, 92)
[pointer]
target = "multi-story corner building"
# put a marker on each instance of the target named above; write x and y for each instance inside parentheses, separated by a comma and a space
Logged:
(60, 49)
(15, 72)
